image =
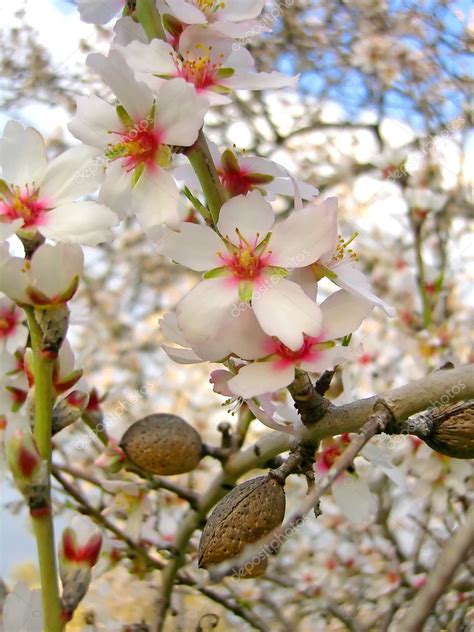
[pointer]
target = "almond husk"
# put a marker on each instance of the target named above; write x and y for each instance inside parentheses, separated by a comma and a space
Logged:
(452, 433)
(162, 444)
(249, 512)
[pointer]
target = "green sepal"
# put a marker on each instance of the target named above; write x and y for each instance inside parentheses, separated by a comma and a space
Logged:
(124, 116)
(276, 270)
(245, 291)
(215, 273)
(262, 245)
(136, 175)
(321, 271)
(164, 157)
(225, 73)
(229, 161)
(197, 204)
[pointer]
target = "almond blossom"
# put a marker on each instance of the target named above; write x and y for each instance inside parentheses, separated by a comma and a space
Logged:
(39, 196)
(205, 59)
(137, 138)
(342, 313)
(232, 17)
(246, 265)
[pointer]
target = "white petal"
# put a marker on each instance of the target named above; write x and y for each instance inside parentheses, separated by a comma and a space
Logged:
(134, 96)
(179, 112)
(255, 164)
(382, 459)
(155, 199)
(261, 377)
(14, 280)
(243, 334)
(17, 339)
(94, 121)
(127, 30)
(23, 155)
(304, 277)
(205, 310)
(116, 190)
(169, 327)
(155, 57)
(54, 267)
(343, 313)
(196, 39)
(86, 223)
(329, 358)
(237, 10)
(354, 280)
(186, 12)
(285, 311)
(182, 356)
(300, 240)
(353, 497)
(286, 186)
(99, 11)
(22, 610)
(194, 246)
(250, 214)
(261, 80)
(74, 173)
(7, 229)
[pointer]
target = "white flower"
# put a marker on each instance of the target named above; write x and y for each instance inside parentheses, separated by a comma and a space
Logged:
(205, 59)
(232, 17)
(136, 138)
(131, 500)
(422, 199)
(246, 266)
(37, 196)
(99, 11)
(13, 333)
(50, 278)
(342, 313)
(22, 611)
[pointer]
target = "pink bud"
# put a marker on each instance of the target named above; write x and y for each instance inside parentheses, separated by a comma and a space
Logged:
(80, 543)
(23, 457)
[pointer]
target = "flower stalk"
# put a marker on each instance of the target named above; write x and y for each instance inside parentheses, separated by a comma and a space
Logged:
(43, 520)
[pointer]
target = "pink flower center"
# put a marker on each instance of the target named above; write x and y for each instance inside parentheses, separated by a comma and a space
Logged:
(139, 146)
(17, 204)
(244, 262)
(202, 72)
(286, 356)
(9, 318)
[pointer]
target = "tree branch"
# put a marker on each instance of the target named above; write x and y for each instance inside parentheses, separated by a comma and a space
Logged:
(454, 553)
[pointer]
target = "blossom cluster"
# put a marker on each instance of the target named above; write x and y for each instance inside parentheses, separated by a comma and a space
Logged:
(256, 308)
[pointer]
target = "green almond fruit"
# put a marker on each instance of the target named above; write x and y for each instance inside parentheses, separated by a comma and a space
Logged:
(163, 444)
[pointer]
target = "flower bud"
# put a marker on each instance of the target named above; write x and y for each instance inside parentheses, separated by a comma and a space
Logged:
(79, 550)
(23, 458)
(68, 410)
